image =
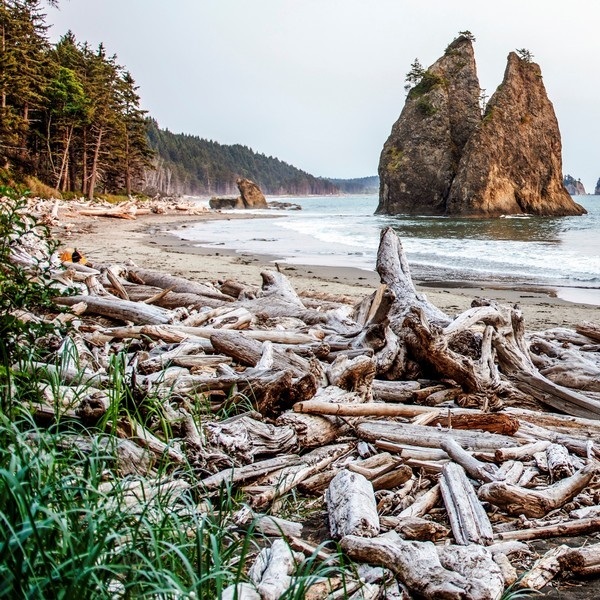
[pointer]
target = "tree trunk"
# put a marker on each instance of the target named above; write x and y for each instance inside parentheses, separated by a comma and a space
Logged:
(95, 161)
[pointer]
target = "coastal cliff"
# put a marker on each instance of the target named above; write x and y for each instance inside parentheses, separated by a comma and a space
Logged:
(419, 159)
(451, 161)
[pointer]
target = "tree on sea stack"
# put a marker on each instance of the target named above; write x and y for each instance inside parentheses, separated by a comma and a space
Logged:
(444, 158)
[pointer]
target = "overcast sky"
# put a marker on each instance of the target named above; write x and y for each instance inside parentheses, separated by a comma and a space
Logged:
(319, 83)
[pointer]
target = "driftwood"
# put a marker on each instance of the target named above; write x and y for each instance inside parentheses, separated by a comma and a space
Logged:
(480, 394)
(536, 503)
(468, 519)
(351, 506)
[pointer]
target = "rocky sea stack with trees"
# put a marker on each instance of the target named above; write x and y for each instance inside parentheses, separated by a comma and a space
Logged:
(447, 156)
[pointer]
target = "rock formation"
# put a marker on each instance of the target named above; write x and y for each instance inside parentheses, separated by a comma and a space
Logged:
(443, 158)
(512, 163)
(597, 188)
(419, 160)
(250, 197)
(574, 186)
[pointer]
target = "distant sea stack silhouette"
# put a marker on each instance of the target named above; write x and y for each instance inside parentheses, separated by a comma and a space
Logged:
(444, 158)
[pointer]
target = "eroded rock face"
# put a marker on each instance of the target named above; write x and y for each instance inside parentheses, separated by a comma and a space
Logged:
(443, 158)
(512, 162)
(251, 195)
(419, 160)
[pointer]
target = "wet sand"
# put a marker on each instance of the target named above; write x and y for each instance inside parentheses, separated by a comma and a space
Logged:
(147, 243)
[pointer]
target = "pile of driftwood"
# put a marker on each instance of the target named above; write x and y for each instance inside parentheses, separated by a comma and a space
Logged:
(50, 212)
(440, 445)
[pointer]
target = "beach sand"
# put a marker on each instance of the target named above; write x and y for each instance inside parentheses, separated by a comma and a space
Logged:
(147, 243)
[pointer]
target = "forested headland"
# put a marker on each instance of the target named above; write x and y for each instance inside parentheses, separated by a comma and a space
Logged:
(71, 120)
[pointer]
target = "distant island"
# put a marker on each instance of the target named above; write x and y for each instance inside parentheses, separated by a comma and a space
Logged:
(574, 186)
(449, 155)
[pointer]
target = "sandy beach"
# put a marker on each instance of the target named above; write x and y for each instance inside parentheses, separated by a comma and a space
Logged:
(147, 242)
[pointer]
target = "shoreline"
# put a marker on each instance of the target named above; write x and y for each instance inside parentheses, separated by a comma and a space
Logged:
(147, 242)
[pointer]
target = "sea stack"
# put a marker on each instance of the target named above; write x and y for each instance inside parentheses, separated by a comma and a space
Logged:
(512, 163)
(419, 160)
(444, 158)
(250, 194)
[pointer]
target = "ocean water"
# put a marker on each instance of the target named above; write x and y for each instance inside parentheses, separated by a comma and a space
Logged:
(563, 253)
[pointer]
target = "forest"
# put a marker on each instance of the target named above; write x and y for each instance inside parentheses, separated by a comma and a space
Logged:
(188, 164)
(71, 117)
(70, 114)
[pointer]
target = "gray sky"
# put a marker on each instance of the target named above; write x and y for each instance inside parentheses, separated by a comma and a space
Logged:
(319, 83)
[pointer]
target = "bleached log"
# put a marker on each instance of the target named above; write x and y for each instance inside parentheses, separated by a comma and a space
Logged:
(351, 506)
(559, 465)
(407, 452)
(583, 561)
(557, 422)
(248, 351)
(394, 272)
(177, 284)
(122, 310)
(517, 365)
(468, 519)
(536, 503)
(416, 528)
(430, 437)
(544, 569)
(417, 564)
(252, 471)
(246, 437)
(394, 391)
(354, 375)
(128, 428)
(313, 431)
(267, 524)
(272, 570)
(477, 565)
(475, 468)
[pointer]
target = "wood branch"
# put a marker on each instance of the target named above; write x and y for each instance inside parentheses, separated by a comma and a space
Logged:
(468, 519)
(177, 284)
(248, 352)
(289, 478)
(475, 468)
(122, 310)
(273, 576)
(351, 506)
(536, 503)
(562, 529)
(521, 452)
(423, 504)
